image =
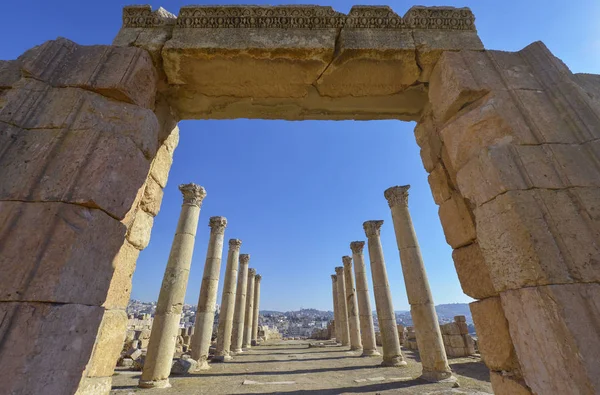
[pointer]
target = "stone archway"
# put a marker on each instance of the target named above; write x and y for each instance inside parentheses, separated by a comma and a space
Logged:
(87, 136)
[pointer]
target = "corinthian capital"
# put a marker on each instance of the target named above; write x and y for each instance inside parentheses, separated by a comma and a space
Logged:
(357, 247)
(397, 196)
(333, 278)
(347, 260)
(234, 244)
(217, 224)
(339, 270)
(192, 194)
(251, 272)
(372, 227)
(244, 259)
(257, 278)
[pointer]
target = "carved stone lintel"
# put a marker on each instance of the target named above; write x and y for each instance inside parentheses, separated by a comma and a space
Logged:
(347, 260)
(339, 270)
(192, 194)
(372, 227)
(143, 16)
(217, 224)
(357, 247)
(334, 277)
(244, 259)
(257, 278)
(251, 272)
(234, 244)
(397, 196)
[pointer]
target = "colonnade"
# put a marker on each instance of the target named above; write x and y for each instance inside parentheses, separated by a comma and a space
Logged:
(239, 315)
(353, 318)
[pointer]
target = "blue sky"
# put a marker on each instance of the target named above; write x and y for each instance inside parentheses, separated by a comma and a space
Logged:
(297, 193)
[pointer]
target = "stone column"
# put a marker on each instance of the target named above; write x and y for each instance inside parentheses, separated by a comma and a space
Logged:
(342, 307)
(165, 326)
(367, 330)
(336, 319)
(352, 305)
(249, 309)
(239, 315)
(207, 301)
(228, 303)
(254, 339)
(429, 337)
(392, 356)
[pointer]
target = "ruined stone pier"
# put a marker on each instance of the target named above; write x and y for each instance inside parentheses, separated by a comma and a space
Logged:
(165, 327)
(222, 352)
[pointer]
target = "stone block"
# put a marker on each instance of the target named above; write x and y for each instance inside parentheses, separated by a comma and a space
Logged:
(439, 184)
(134, 353)
(124, 74)
(109, 343)
(457, 222)
(451, 329)
(139, 234)
(10, 72)
(429, 141)
(507, 385)
(463, 328)
(183, 366)
(57, 252)
(473, 272)
(556, 335)
(94, 386)
(456, 341)
(494, 339)
(119, 291)
(470, 344)
(152, 198)
(161, 165)
(56, 339)
(539, 237)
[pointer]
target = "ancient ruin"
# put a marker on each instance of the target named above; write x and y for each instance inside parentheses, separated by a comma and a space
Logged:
(509, 139)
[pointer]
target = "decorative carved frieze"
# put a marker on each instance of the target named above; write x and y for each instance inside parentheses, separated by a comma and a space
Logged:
(301, 17)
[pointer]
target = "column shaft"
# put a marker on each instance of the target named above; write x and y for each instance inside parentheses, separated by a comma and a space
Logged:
(254, 339)
(207, 301)
(228, 303)
(352, 305)
(249, 309)
(367, 329)
(392, 356)
(336, 319)
(239, 315)
(165, 326)
(342, 307)
(429, 337)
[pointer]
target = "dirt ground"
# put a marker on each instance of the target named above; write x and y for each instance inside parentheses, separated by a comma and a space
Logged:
(293, 367)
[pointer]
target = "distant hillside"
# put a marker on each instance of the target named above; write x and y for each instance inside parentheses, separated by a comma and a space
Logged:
(448, 311)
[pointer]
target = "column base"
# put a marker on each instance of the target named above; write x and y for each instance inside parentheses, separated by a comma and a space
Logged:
(237, 351)
(394, 361)
(254, 343)
(246, 346)
(437, 377)
(202, 365)
(221, 358)
(154, 383)
(370, 353)
(356, 348)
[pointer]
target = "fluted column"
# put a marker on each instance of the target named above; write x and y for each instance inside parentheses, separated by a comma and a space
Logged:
(342, 307)
(429, 337)
(352, 305)
(228, 303)
(367, 329)
(249, 309)
(165, 326)
(254, 339)
(392, 356)
(237, 332)
(337, 328)
(207, 301)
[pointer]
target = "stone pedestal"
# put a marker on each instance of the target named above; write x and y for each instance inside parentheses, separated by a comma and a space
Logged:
(228, 303)
(392, 356)
(367, 329)
(342, 307)
(352, 305)
(336, 319)
(429, 338)
(254, 339)
(207, 301)
(247, 343)
(239, 315)
(165, 326)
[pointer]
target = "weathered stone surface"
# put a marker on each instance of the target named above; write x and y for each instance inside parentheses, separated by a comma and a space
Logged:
(506, 385)
(124, 74)
(494, 339)
(458, 225)
(439, 184)
(139, 234)
(590, 84)
(54, 340)
(152, 198)
(557, 336)
(473, 274)
(10, 72)
(183, 366)
(540, 237)
(54, 244)
(161, 165)
(109, 342)
(119, 290)
(94, 385)
(429, 140)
